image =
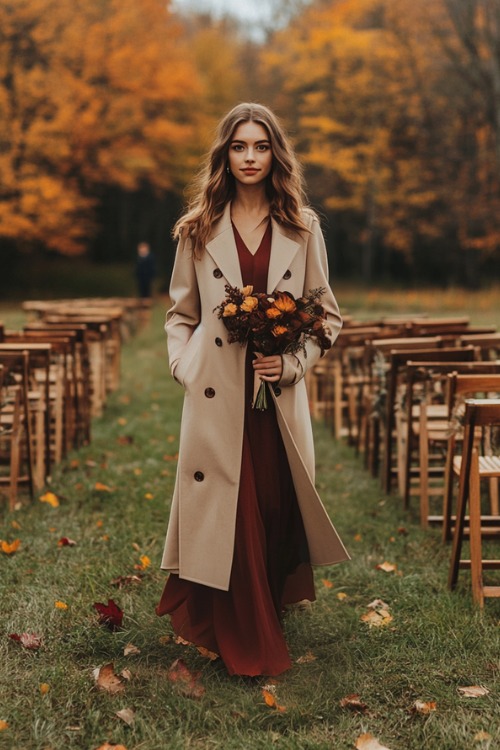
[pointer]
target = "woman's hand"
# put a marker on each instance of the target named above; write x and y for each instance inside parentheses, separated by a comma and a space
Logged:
(269, 369)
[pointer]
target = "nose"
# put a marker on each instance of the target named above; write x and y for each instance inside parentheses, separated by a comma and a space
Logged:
(250, 156)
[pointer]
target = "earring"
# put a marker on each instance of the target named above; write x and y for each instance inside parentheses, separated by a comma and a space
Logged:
(228, 170)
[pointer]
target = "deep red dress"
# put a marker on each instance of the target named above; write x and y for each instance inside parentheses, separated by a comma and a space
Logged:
(271, 558)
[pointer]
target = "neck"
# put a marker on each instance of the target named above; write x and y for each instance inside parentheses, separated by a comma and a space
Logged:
(250, 199)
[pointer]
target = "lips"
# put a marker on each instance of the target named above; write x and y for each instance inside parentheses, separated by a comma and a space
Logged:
(250, 171)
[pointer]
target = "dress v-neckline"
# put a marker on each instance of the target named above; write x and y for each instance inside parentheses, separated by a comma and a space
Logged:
(244, 244)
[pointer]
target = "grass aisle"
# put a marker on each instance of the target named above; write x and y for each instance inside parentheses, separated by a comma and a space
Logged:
(434, 644)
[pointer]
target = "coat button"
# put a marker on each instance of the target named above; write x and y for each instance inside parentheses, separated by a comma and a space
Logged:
(218, 341)
(277, 391)
(199, 476)
(209, 392)
(287, 275)
(218, 273)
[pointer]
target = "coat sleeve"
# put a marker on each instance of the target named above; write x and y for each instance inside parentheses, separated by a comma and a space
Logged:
(296, 365)
(184, 313)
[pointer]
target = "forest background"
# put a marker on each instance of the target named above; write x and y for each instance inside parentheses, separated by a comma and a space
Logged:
(107, 106)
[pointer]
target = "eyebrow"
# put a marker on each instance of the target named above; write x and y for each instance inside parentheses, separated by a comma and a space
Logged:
(237, 140)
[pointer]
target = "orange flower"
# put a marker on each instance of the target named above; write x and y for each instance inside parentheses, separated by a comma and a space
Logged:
(273, 312)
(279, 330)
(285, 304)
(247, 290)
(229, 310)
(249, 304)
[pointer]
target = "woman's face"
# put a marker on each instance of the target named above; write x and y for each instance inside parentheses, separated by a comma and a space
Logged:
(250, 154)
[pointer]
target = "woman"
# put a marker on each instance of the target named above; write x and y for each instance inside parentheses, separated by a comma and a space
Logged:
(246, 522)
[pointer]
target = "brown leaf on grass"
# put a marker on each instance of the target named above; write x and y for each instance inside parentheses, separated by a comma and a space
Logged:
(126, 674)
(111, 746)
(126, 580)
(28, 640)
(326, 583)
(44, 688)
(357, 537)
(270, 700)
(403, 530)
(131, 650)
(424, 707)
(15, 525)
(64, 541)
(186, 682)
(180, 641)
(367, 741)
(100, 487)
(342, 595)
(378, 604)
(354, 703)
(9, 548)
(168, 457)
(110, 614)
(210, 655)
(307, 658)
(122, 421)
(482, 736)
(127, 715)
(106, 679)
(145, 562)
(3, 725)
(163, 639)
(125, 440)
(473, 691)
(387, 567)
(377, 618)
(136, 546)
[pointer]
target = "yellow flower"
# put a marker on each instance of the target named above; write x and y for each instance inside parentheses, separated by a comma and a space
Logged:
(273, 312)
(60, 605)
(247, 290)
(229, 310)
(279, 330)
(285, 304)
(249, 304)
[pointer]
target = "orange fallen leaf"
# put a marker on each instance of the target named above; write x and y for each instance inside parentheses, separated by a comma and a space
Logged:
(125, 440)
(15, 525)
(307, 658)
(210, 655)
(367, 741)
(270, 700)
(168, 457)
(326, 583)
(342, 595)
(148, 496)
(377, 618)
(402, 530)
(60, 605)
(180, 641)
(163, 639)
(378, 604)
(473, 691)
(3, 725)
(131, 650)
(185, 681)
(122, 421)
(145, 563)
(482, 736)
(387, 567)
(100, 487)
(171, 439)
(358, 537)
(111, 746)
(127, 715)
(9, 549)
(424, 707)
(106, 679)
(353, 702)
(44, 688)
(50, 498)
(136, 546)
(99, 523)
(137, 472)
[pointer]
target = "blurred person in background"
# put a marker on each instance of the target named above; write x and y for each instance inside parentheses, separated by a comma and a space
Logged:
(144, 270)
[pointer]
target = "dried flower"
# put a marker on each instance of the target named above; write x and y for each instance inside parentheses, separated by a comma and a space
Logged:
(247, 290)
(249, 304)
(229, 310)
(273, 312)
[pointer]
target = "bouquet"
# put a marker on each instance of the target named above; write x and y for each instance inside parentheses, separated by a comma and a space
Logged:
(276, 324)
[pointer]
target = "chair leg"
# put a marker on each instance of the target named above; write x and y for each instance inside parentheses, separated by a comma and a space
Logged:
(494, 505)
(476, 560)
(463, 491)
(424, 468)
(448, 491)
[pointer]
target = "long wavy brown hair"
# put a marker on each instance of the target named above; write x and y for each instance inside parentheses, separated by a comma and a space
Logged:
(214, 186)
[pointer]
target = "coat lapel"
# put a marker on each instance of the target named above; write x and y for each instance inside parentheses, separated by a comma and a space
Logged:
(222, 249)
(283, 251)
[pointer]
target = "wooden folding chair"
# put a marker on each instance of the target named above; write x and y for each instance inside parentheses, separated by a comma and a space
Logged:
(482, 414)
(488, 344)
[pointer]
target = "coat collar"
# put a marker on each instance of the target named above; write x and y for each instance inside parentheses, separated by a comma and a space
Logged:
(222, 249)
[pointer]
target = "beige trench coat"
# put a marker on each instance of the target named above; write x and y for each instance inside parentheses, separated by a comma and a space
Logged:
(201, 531)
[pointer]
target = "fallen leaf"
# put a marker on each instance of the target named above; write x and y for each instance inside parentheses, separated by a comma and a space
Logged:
(402, 530)
(342, 595)
(44, 688)
(60, 605)
(163, 639)
(136, 546)
(50, 498)
(148, 496)
(125, 580)
(387, 567)
(90, 463)
(180, 641)
(357, 537)
(210, 655)
(368, 742)
(473, 691)
(137, 472)
(15, 525)
(127, 715)
(167, 457)
(326, 583)
(28, 640)
(270, 700)
(482, 736)
(145, 563)
(64, 541)
(122, 421)
(106, 679)
(378, 618)
(9, 549)
(3, 725)
(74, 463)
(185, 681)
(131, 650)
(126, 674)
(110, 614)
(125, 440)
(307, 658)
(100, 487)
(111, 746)
(99, 523)
(424, 707)
(354, 703)
(171, 439)
(378, 604)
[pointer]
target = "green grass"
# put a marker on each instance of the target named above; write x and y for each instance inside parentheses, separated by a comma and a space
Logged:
(436, 642)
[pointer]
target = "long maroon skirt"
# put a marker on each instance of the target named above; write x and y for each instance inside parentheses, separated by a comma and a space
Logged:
(271, 559)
